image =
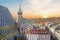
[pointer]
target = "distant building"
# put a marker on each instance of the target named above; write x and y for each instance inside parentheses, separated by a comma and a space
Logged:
(40, 34)
(6, 18)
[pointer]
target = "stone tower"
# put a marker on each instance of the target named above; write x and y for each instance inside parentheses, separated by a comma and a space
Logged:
(20, 20)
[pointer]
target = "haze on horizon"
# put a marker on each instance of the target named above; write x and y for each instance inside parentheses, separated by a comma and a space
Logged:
(33, 8)
(41, 8)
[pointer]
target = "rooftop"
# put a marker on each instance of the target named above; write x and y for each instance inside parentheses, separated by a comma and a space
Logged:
(38, 31)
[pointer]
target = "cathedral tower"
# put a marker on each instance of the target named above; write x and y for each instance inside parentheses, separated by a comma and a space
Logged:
(20, 21)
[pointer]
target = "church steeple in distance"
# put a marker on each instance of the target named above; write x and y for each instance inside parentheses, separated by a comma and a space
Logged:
(19, 12)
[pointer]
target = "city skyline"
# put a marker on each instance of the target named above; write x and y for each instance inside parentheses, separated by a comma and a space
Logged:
(33, 8)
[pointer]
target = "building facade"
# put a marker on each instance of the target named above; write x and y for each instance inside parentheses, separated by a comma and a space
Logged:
(41, 34)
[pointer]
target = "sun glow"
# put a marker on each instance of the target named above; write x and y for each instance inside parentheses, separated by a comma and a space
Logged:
(45, 16)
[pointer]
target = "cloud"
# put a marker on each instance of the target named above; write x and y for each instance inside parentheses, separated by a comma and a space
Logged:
(43, 7)
(34, 5)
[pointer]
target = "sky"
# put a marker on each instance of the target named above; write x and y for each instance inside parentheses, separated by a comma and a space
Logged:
(12, 5)
(33, 8)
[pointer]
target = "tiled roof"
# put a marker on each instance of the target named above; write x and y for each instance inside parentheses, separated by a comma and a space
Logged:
(39, 31)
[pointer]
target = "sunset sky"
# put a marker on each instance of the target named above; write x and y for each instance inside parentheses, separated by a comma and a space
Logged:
(33, 8)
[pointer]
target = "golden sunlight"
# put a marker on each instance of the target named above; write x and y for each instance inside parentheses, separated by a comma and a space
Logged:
(45, 16)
